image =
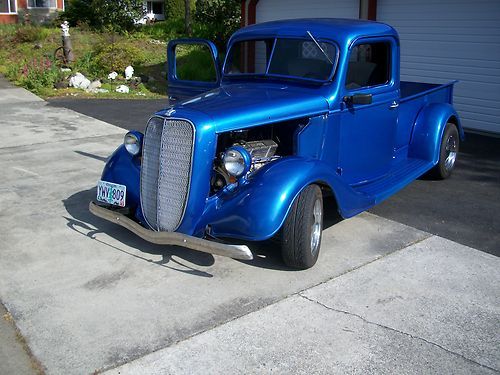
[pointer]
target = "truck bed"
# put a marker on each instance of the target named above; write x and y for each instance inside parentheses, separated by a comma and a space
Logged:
(412, 90)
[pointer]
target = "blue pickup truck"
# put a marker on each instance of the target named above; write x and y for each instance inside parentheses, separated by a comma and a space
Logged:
(299, 110)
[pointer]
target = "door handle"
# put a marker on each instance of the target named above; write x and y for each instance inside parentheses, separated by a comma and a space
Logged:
(394, 105)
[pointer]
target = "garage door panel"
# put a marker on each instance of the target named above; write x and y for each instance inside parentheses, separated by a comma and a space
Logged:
(456, 61)
(452, 38)
(449, 49)
(474, 80)
(271, 10)
(443, 40)
(471, 72)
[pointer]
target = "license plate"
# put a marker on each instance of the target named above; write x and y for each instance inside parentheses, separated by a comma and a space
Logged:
(108, 192)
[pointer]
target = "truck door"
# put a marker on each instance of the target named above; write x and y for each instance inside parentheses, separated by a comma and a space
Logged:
(369, 112)
(193, 67)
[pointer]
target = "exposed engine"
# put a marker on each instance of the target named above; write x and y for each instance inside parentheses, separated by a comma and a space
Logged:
(264, 144)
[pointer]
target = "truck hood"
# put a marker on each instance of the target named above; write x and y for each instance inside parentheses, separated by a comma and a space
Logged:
(239, 106)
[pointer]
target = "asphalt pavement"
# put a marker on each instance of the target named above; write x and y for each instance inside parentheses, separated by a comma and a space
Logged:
(464, 208)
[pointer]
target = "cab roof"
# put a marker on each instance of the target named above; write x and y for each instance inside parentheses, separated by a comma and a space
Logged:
(338, 29)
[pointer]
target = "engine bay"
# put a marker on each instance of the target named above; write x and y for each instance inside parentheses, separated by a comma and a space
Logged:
(264, 144)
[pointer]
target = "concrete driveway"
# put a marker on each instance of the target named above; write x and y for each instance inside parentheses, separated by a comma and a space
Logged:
(89, 296)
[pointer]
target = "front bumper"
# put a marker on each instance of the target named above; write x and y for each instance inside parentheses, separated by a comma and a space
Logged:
(172, 238)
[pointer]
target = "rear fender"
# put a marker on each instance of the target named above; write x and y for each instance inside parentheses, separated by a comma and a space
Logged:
(257, 209)
(428, 130)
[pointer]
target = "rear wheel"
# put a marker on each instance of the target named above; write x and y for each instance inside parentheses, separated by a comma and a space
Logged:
(448, 152)
(302, 230)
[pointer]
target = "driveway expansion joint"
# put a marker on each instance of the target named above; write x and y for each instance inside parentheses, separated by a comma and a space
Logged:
(299, 293)
(429, 235)
(62, 140)
(399, 332)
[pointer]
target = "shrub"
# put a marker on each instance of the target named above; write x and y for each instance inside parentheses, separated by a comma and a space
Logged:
(217, 20)
(38, 74)
(30, 34)
(116, 15)
(174, 9)
(79, 12)
(89, 66)
(117, 57)
(194, 63)
(164, 31)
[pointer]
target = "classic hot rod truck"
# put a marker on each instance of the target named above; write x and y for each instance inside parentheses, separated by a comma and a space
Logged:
(299, 109)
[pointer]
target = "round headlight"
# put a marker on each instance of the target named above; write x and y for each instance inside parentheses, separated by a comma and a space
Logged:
(132, 143)
(237, 161)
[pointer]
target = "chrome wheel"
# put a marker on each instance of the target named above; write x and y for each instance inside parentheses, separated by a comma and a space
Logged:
(317, 226)
(451, 153)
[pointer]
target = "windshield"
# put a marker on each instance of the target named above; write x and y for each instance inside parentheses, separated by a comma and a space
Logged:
(282, 57)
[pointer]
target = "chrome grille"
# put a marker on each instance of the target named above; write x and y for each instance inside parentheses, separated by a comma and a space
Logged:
(166, 171)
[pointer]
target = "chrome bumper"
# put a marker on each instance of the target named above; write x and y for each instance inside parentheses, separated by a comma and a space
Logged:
(172, 238)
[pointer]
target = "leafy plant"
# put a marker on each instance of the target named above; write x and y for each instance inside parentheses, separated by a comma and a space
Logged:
(79, 12)
(194, 63)
(117, 56)
(164, 31)
(37, 74)
(217, 20)
(113, 15)
(30, 34)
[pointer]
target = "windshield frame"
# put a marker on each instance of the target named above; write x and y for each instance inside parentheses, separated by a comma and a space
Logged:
(268, 75)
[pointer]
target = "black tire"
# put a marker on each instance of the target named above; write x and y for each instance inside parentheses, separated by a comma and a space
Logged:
(448, 153)
(297, 248)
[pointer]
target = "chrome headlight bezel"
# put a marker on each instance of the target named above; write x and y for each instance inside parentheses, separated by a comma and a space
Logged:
(133, 143)
(237, 161)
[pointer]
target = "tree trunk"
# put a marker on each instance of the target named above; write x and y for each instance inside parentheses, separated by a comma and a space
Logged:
(187, 17)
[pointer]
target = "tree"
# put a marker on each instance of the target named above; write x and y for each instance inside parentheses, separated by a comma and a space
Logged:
(113, 15)
(79, 11)
(218, 19)
(117, 15)
(175, 9)
(187, 17)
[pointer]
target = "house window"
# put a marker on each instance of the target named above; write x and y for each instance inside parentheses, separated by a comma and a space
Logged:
(155, 7)
(8, 6)
(42, 3)
(369, 65)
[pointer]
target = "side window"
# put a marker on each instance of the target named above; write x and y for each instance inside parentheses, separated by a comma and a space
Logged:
(369, 65)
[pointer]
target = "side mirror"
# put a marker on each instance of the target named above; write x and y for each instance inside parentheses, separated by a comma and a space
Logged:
(358, 99)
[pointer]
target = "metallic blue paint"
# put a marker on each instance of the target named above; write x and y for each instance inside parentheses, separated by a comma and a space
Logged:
(257, 208)
(428, 130)
(362, 153)
(177, 87)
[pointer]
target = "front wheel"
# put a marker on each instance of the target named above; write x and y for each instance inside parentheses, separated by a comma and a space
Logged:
(447, 153)
(302, 229)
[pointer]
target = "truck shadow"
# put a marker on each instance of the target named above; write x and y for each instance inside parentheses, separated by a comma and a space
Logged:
(266, 253)
(83, 222)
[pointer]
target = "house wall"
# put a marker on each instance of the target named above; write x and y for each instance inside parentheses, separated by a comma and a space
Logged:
(36, 15)
(8, 18)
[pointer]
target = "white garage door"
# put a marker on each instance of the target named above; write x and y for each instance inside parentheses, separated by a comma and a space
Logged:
(443, 40)
(272, 10)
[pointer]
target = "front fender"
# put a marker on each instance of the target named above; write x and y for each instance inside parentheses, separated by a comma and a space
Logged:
(428, 131)
(124, 169)
(257, 209)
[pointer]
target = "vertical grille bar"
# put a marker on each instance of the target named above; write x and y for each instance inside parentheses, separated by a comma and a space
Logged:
(166, 172)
